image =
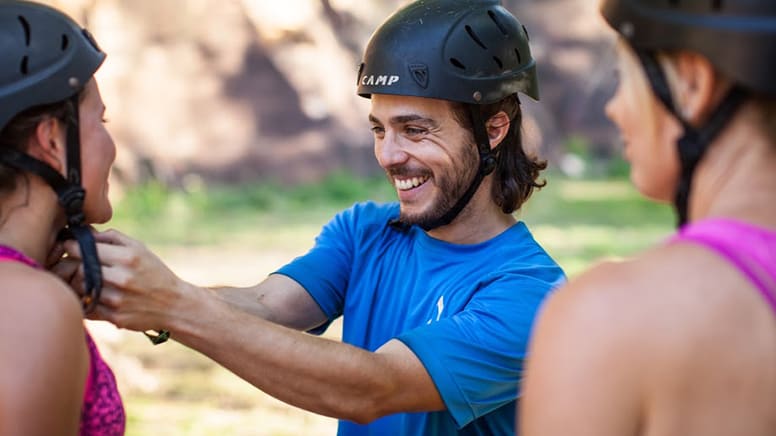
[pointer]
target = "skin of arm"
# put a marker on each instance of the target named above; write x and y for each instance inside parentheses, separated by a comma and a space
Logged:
(254, 332)
(583, 373)
(278, 299)
(43, 352)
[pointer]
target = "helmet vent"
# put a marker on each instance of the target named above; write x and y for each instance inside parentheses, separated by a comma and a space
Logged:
(498, 62)
(457, 64)
(65, 42)
(527, 36)
(519, 58)
(492, 16)
(24, 67)
(26, 27)
(475, 38)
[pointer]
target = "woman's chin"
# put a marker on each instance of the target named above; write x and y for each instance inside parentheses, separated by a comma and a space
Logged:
(100, 217)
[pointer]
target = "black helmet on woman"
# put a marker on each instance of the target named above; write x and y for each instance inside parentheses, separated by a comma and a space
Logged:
(737, 36)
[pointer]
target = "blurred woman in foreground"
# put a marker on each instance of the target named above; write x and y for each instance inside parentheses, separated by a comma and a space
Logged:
(680, 340)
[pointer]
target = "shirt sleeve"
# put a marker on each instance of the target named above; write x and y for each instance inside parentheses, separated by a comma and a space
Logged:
(325, 269)
(475, 357)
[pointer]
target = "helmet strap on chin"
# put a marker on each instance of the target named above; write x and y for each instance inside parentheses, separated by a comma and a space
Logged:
(75, 213)
(73, 196)
(70, 195)
(487, 159)
(694, 142)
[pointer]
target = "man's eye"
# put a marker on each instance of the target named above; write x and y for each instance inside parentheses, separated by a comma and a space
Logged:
(414, 131)
(377, 130)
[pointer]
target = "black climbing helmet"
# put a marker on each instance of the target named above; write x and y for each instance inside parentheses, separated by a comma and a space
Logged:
(46, 57)
(468, 51)
(737, 36)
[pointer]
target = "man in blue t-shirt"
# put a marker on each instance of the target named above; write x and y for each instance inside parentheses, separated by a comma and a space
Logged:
(438, 291)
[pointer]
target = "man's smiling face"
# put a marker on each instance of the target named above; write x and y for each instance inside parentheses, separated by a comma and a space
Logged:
(428, 157)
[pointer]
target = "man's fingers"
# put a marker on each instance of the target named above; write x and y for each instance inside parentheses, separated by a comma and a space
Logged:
(116, 276)
(110, 297)
(113, 255)
(72, 249)
(112, 236)
(66, 268)
(109, 254)
(100, 313)
(55, 254)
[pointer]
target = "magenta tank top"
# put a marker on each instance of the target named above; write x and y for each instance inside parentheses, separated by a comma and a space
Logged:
(751, 249)
(102, 412)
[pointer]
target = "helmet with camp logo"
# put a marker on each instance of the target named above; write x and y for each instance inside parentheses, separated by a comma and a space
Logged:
(469, 51)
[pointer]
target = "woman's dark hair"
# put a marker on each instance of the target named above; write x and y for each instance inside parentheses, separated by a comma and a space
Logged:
(516, 173)
(19, 130)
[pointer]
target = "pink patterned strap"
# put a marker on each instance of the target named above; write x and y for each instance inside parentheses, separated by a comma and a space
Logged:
(103, 412)
(751, 249)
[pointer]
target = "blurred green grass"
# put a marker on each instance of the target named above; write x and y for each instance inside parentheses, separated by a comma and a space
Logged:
(577, 220)
(174, 390)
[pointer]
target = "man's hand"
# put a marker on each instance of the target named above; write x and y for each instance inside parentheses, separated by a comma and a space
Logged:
(65, 267)
(138, 291)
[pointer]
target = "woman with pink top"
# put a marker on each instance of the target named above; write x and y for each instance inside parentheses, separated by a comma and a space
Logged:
(55, 157)
(680, 340)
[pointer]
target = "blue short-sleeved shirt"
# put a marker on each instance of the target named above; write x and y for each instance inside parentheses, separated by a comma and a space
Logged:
(466, 311)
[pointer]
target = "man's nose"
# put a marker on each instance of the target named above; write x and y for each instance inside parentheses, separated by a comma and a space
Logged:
(389, 151)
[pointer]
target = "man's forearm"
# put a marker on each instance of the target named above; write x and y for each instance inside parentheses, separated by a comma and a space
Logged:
(246, 299)
(278, 299)
(320, 375)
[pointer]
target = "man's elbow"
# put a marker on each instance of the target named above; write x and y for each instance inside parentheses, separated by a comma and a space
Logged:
(361, 411)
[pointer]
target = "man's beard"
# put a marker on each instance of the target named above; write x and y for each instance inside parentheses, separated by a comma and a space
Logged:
(451, 186)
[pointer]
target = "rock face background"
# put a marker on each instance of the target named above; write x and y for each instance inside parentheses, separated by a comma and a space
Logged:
(250, 90)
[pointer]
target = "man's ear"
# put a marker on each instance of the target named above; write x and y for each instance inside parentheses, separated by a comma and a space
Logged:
(47, 144)
(700, 88)
(498, 127)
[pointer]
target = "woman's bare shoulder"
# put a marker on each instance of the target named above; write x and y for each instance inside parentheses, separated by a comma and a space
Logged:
(38, 305)
(43, 351)
(652, 276)
(33, 285)
(634, 298)
(663, 297)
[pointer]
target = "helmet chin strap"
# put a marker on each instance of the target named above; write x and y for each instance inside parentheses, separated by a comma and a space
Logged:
(487, 158)
(694, 142)
(70, 195)
(73, 206)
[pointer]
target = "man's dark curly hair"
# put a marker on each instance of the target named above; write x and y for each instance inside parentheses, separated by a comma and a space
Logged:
(516, 173)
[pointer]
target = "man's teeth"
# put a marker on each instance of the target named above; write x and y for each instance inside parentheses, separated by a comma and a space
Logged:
(404, 185)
